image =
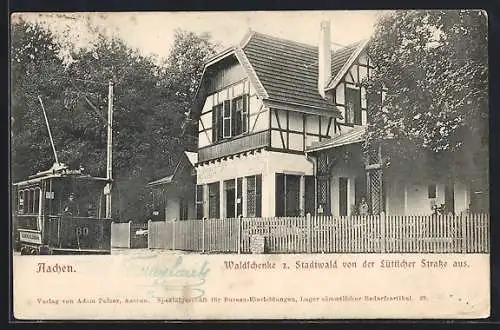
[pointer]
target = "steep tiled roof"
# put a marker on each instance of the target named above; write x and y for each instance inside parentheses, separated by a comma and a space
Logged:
(288, 70)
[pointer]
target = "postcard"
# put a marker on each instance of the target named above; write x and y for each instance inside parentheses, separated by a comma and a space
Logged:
(250, 165)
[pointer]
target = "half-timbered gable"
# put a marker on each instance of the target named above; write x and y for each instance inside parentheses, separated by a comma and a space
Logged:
(346, 88)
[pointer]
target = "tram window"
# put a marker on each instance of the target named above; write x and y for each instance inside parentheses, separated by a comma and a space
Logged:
(32, 200)
(26, 201)
(36, 200)
(20, 206)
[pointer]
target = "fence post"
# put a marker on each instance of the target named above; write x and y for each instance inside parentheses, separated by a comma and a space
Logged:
(111, 234)
(203, 235)
(239, 233)
(463, 222)
(309, 233)
(173, 234)
(129, 243)
(383, 237)
(149, 234)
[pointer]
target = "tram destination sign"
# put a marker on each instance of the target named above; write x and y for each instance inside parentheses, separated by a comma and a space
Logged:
(30, 237)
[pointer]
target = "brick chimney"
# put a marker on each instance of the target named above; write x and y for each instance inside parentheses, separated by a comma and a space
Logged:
(324, 58)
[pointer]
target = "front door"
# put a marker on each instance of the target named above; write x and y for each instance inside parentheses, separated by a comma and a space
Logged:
(449, 199)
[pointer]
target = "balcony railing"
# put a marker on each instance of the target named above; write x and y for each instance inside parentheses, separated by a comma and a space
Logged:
(236, 145)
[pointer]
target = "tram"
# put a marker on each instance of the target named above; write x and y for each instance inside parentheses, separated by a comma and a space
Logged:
(61, 211)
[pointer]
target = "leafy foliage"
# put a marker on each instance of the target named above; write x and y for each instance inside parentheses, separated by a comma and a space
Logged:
(149, 102)
(433, 68)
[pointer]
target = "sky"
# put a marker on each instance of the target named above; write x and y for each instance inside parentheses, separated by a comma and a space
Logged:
(153, 32)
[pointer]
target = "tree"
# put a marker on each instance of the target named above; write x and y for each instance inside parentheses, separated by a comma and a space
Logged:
(433, 68)
(183, 71)
(35, 66)
(149, 105)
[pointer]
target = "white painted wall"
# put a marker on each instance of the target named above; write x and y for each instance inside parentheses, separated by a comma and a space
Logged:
(266, 163)
(410, 196)
(416, 198)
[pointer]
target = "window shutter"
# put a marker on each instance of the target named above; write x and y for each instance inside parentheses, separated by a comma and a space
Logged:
(234, 119)
(220, 122)
(214, 124)
(258, 195)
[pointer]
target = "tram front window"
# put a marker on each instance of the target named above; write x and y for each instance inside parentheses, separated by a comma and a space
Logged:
(79, 199)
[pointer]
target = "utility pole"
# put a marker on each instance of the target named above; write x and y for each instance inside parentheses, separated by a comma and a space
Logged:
(109, 163)
(48, 128)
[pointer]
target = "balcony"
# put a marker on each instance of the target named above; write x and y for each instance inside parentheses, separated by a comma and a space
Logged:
(236, 145)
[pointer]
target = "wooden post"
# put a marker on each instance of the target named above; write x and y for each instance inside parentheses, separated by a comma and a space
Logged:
(239, 233)
(383, 238)
(173, 234)
(129, 243)
(149, 234)
(59, 236)
(309, 233)
(203, 234)
(463, 220)
(109, 160)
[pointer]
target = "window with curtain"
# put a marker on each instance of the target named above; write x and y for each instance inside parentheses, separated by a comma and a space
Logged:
(254, 196)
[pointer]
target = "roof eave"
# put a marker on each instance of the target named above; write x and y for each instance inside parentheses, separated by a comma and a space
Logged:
(216, 58)
(297, 107)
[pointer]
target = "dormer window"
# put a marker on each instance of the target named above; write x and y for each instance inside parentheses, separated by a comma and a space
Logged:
(230, 118)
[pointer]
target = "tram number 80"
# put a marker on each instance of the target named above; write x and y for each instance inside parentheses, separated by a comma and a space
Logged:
(82, 231)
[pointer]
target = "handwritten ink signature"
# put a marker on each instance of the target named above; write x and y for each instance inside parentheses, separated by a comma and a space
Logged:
(176, 276)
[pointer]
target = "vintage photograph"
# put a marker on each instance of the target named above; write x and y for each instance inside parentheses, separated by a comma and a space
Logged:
(265, 135)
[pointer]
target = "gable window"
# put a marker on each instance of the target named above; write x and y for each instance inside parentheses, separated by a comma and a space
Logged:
(230, 118)
(353, 106)
(240, 117)
(227, 120)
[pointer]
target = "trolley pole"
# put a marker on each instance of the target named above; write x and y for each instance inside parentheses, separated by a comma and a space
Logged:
(109, 163)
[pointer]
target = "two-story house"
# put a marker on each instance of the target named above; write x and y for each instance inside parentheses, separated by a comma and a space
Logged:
(280, 131)
(259, 106)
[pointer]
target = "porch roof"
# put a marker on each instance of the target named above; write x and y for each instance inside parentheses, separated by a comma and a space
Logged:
(355, 135)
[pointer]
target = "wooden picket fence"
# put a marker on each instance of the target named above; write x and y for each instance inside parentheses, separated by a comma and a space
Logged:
(128, 235)
(467, 233)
